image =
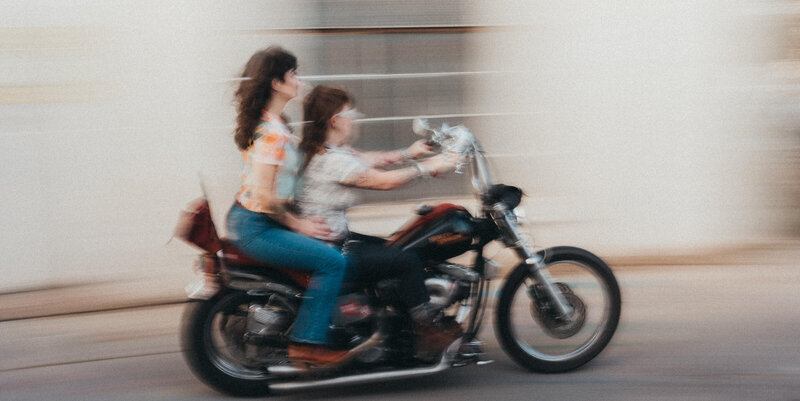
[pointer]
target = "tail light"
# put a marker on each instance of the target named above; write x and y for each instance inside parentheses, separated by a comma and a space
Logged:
(207, 264)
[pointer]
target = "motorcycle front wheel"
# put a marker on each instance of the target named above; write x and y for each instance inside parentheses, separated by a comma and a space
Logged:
(527, 324)
(217, 341)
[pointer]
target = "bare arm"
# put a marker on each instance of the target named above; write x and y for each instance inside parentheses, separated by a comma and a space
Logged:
(390, 179)
(381, 179)
(379, 159)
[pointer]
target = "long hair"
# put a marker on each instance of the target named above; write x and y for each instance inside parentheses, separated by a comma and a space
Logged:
(319, 107)
(255, 90)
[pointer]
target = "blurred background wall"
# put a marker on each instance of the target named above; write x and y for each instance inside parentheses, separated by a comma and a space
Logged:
(635, 128)
(645, 128)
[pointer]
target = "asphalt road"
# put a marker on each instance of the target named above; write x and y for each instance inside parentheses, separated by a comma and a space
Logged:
(687, 333)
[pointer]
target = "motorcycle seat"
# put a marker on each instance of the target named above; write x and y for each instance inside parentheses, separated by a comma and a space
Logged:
(235, 261)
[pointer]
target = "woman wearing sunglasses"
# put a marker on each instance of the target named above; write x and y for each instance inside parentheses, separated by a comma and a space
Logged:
(331, 171)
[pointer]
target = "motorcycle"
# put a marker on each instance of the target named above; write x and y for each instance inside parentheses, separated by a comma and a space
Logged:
(557, 309)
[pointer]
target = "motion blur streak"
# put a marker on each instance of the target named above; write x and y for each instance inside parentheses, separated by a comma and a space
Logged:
(658, 132)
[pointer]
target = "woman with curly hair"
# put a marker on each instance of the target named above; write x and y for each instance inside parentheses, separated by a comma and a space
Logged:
(262, 223)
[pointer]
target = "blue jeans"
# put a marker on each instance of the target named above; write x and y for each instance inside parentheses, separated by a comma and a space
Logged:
(263, 239)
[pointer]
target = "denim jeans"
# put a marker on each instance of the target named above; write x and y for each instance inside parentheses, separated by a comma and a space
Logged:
(263, 239)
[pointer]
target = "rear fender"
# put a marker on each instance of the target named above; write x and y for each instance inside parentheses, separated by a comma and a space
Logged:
(196, 227)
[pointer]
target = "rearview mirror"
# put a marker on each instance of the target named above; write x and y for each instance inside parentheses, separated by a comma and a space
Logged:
(420, 126)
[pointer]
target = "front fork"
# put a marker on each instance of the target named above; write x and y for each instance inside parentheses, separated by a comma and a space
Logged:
(507, 221)
(539, 271)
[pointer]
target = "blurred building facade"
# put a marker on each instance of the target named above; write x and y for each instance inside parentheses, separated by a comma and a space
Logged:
(635, 129)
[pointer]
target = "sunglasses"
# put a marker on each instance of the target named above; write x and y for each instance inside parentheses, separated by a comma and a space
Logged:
(352, 114)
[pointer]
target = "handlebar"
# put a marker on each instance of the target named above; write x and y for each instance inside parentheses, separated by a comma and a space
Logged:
(462, 144)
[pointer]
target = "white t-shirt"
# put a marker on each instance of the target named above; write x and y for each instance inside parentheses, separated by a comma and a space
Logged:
(323, 194)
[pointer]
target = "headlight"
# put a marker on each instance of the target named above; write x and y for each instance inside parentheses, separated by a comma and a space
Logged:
(522, 216)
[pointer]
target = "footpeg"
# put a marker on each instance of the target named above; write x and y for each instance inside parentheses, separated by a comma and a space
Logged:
(471, 349)
(471, 352)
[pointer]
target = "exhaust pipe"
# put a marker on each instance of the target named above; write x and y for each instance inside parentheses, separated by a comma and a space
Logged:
(446, 362)
(374, 341)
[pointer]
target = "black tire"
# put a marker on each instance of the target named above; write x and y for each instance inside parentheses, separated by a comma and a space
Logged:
(206, 359)
(542, 357)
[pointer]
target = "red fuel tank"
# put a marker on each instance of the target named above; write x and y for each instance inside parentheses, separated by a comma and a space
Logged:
(439, 233)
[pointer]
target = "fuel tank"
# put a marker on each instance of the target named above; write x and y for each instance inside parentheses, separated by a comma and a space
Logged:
(439, 233)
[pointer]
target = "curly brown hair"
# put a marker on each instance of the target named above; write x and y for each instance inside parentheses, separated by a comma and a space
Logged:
(319, 107)
(255, 90)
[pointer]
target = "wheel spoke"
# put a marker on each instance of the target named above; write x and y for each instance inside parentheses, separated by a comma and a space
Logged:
(536, 339)
(528, 324)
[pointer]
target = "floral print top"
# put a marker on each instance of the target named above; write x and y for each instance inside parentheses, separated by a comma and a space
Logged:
(273, 144)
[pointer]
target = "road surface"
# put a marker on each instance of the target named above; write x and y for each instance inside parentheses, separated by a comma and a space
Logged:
(687, 333)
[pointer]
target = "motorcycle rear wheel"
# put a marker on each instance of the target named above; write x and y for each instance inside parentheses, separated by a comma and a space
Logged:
(536, 339)
(213, 341)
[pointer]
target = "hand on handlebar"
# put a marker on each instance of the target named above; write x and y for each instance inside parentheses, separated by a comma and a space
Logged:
(419, 149)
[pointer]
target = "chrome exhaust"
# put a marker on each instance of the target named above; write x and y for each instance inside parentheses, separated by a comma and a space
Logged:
(446, 362)
(375, 340)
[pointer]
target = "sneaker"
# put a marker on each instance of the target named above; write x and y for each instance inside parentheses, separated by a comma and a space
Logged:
(315, 354)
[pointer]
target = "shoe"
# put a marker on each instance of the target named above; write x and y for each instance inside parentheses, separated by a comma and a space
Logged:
(433, 332)
(314, 354)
